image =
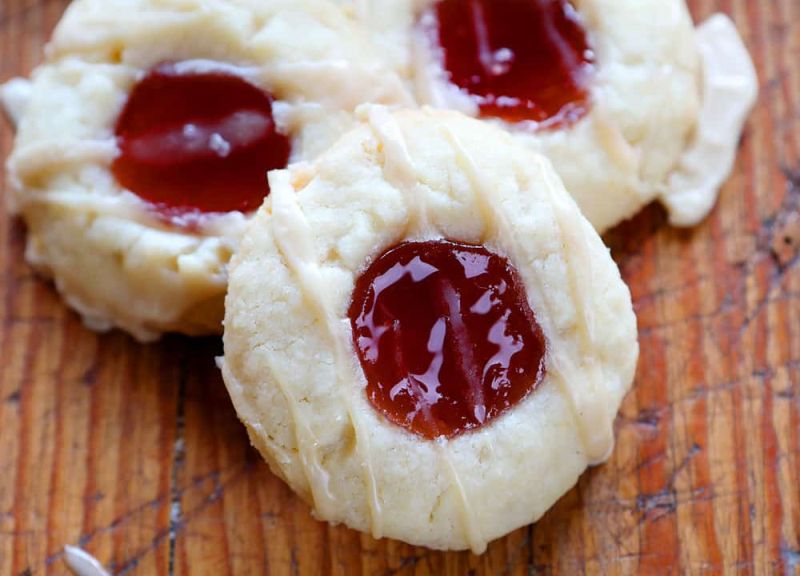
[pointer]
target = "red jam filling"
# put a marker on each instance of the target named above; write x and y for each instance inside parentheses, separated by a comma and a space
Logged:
(518, 59)
(445, 337)
(195, 142)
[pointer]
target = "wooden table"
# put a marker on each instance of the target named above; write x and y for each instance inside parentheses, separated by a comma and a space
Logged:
(134, 452)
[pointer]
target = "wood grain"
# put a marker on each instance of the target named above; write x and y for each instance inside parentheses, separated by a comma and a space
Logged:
(134, 452)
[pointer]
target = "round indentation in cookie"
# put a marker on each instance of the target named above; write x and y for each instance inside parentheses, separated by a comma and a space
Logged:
(198, 142)
(518, 59)
(445, 336)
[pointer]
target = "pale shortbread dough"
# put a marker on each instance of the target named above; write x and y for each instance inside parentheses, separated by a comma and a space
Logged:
(292, 372)
(668, 103)
(112, 260)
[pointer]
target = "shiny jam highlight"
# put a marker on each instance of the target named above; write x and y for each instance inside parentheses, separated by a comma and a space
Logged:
(519, 60)
(198, 142)
(445, 337)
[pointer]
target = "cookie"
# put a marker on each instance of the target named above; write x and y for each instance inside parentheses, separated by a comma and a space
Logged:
(628, 101)
(423, 336)
(144, 140)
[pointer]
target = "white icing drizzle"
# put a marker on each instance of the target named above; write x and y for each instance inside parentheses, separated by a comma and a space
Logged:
(202, 66)
(730, 89)
(227, 227)
(476, 540)
(294, 239)
(14, 97)
(594, 423)
(496, 223)
(277, 451)
(52, 155)
(400, 170)
(597, 420)
(101, 204)
(613, 141)
(81, 563)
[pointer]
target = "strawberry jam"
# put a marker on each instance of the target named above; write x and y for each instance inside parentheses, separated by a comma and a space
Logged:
(517, 59)
(196, 142)
(445, 337)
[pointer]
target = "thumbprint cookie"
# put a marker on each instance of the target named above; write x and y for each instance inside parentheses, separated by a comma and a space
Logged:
(144, 141)
(423, 335)
(629, 101)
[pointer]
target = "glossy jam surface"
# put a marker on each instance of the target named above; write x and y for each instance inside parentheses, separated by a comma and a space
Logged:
(195, 142)
(445, 337)
(518, 59)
